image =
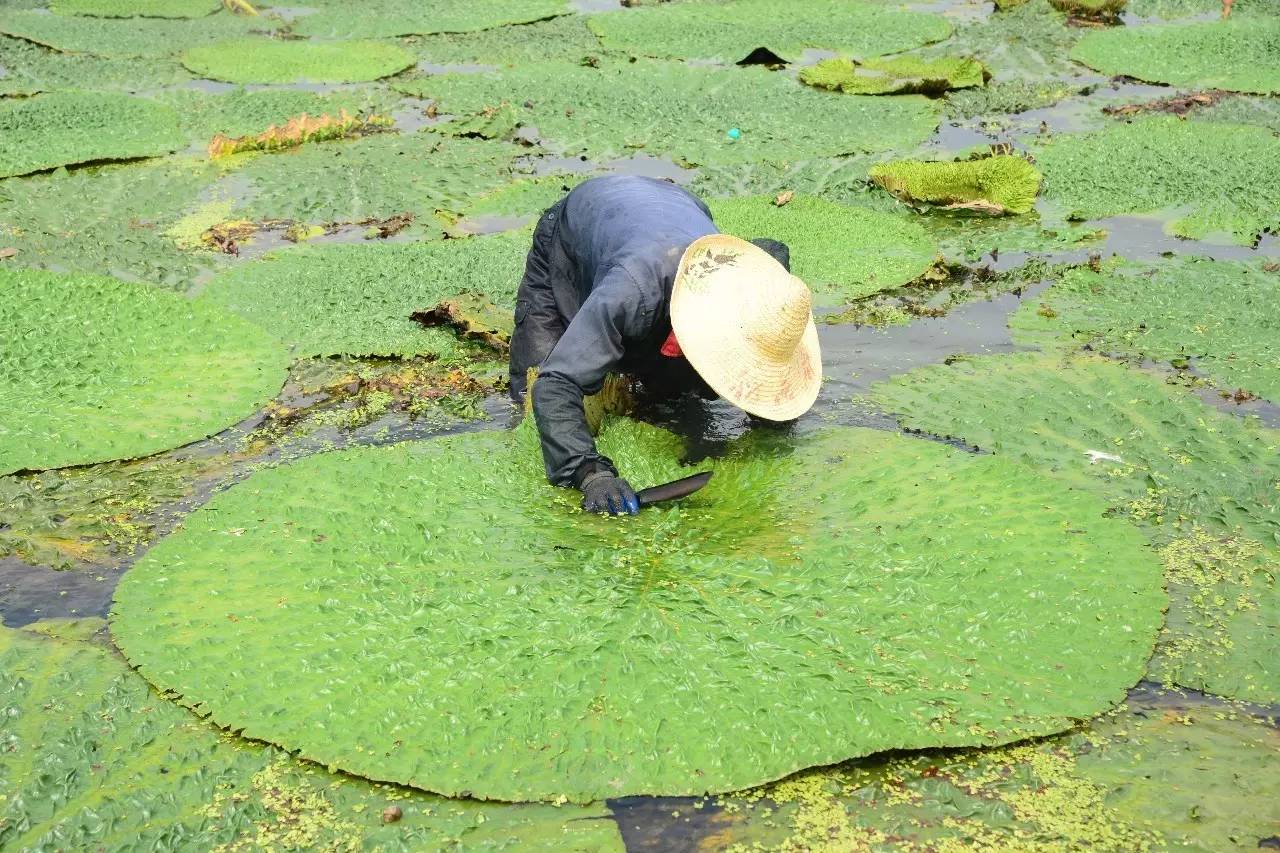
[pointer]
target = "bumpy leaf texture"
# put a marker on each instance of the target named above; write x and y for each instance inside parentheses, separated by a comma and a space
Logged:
(94, 369)
(93, 759)
(436, 614)
(262, 60)
(243, 111)
(374, 177)
(1241, 54)
(137, 8)
(383, 18)
(128, 37)
(1224, 315)
(728, 32)
(841, 251)
(565, 37)
(1226, 175)
(110, 220)
(1000, 184)
(683, 111)
(31, 68)
(356, 300)
(63, 128)
(895, 76)
(1203, 483)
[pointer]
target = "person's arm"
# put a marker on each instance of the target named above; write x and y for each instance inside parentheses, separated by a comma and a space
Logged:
(591, 346)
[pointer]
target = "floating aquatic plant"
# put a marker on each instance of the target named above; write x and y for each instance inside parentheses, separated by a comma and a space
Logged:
(375, 177)
(357, 300)
(1223, 315)
(728, 32)
(126, 37)
(246, 112)
(338, 19)
(999, 184)
(841, 250)
(564, 37)
(93, 758)
(298, 131)
(549, 653)
(682, 111)
(1091, 10)
(30, 68)
(1222, 179)
(96, 369)
(1242, 54)
(259, 60)
(895, 76)
(1161, 458)
(107, 219)
(137, 8)
(63, 128)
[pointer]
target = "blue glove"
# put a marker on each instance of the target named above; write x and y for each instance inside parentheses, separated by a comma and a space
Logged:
(604, 491)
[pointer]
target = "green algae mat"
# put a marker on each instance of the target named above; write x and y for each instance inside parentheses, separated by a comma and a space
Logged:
(840, 250)
(94, 759)
(1241, 55)
(1202, 484)
(435, 614)
(261, 60)
(684, 112)
(385, 18)
(1221, 181)
(728, 32)
(1224, 316)
(62, 128)
(96, 369)
(357, 300)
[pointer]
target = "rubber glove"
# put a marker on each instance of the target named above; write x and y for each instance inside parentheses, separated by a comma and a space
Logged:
(604, 491)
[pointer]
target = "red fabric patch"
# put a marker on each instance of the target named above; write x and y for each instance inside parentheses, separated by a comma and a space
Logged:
(671, 348)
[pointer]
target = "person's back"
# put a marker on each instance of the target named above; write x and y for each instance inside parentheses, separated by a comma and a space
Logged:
(597, 297)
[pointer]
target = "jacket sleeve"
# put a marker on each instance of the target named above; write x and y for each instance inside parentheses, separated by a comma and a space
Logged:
(590, 348)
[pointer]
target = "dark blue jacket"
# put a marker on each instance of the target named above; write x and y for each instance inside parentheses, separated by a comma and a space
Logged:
(615, 247)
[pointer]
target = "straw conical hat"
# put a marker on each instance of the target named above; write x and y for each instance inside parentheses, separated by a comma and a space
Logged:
(746, 326)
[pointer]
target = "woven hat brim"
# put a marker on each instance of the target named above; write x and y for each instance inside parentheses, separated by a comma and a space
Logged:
(707, 320)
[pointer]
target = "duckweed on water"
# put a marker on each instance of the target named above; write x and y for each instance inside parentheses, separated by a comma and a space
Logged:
(137, 8)
(262, 60)
(840, 250)
(682, 111)
(1222, 179)
(61, 128)
(1222, 314)
(79, 723)
(727, 32)
(597, 684)
(127, 37)
(96, 369)
(1242, 54)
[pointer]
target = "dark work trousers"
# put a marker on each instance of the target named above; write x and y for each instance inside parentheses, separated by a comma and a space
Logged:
(540, 318)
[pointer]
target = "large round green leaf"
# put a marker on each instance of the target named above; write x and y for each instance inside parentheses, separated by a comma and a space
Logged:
(1223, 180)
(93, 369)
(137, 8)
(840, 250)
(437, 614)
(1242, 55)
(127, 37)
(92, 759)
(63, 128)
(1224, 315)
(383, 18)
(260, 60)
(357, 300)
(727, 32)
(684, 111)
